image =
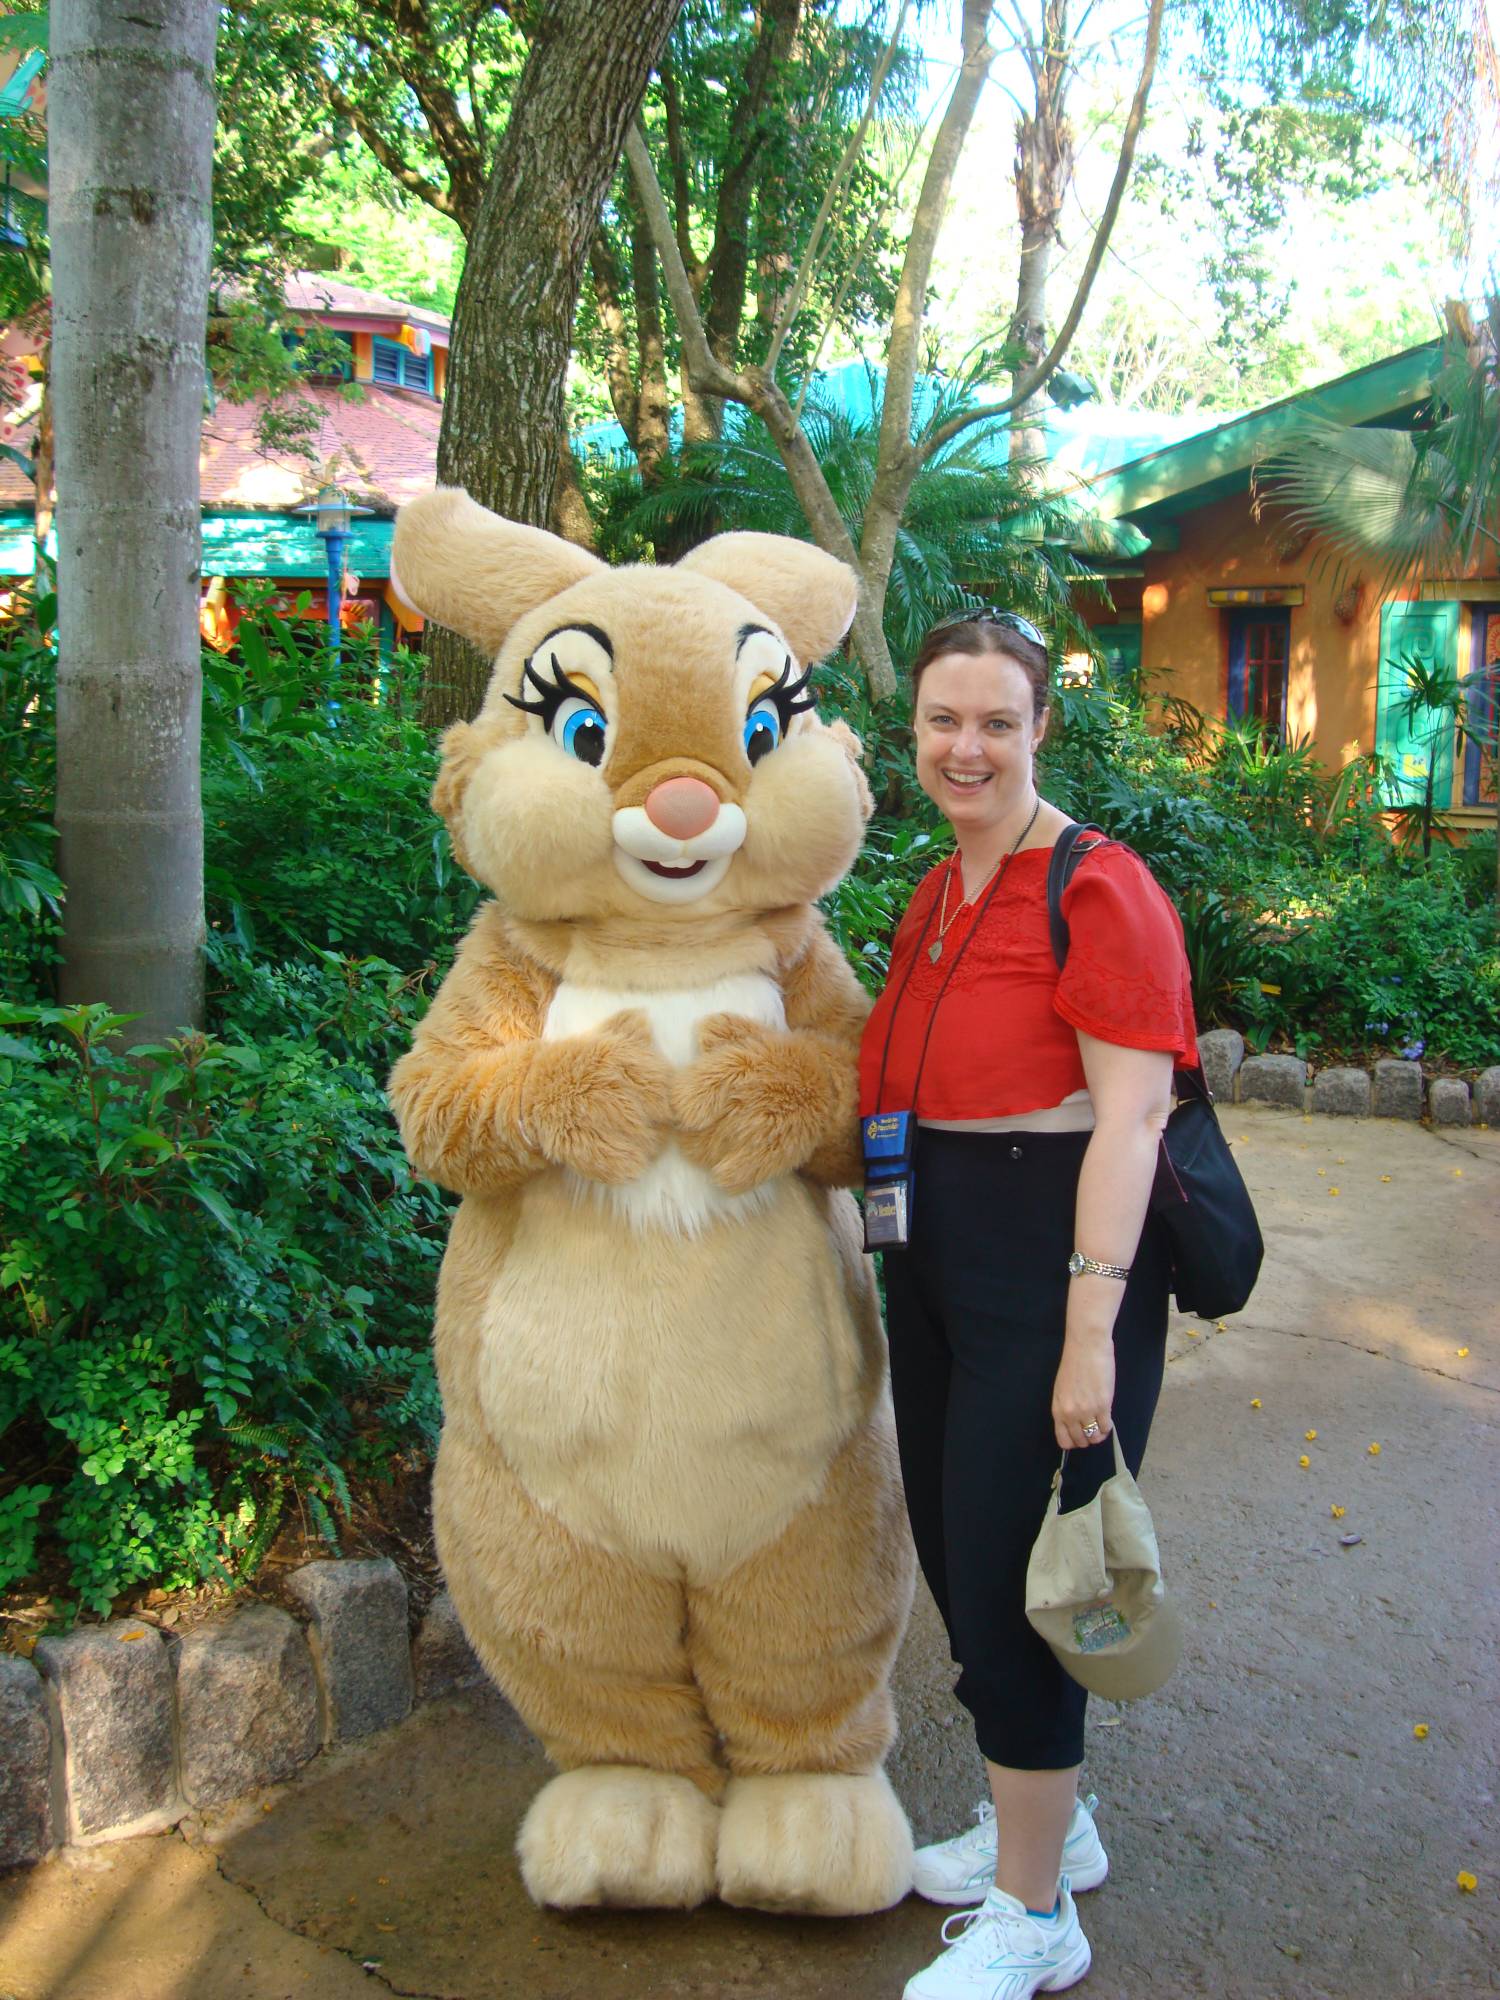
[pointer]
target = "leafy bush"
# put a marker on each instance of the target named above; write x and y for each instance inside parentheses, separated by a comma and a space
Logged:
(1397, 959)
(216, 1276)
(318, 834)
(30, 891)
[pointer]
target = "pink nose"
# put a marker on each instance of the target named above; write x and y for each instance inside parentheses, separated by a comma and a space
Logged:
(682, 807)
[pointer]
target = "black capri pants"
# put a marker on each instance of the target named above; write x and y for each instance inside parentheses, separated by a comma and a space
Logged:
(976, 1307)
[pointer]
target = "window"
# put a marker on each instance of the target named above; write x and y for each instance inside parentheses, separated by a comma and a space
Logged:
(1260, 645)
(1482, 703)
(329, 357)
(396, 365)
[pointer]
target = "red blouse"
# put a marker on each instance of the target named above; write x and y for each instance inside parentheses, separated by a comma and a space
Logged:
(1004, 1041)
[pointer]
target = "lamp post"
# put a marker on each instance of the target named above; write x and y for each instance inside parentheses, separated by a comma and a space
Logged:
(333, 517)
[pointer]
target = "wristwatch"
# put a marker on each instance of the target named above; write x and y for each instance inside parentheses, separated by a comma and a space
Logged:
(1078, 1264)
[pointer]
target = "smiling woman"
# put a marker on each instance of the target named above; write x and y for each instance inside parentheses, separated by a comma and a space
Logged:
(1026, 1291)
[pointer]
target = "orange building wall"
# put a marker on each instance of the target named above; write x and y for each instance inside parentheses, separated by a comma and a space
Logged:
(1334, 661)
(364, 357)
(439, 369)
(1185, 640)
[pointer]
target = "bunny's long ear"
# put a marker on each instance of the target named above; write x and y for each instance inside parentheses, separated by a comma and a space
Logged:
(458, 563)
(810, 595)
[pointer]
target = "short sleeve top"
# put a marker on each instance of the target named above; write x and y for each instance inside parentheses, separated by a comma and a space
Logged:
(1004, 1039)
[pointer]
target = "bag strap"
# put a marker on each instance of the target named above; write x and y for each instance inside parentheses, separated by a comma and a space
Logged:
(1066, 855)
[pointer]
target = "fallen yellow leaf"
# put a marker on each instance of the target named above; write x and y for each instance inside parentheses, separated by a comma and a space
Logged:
(1255, 1402)
(1219, 1324)
(1304, 1460)
(1458, 1173)
(1419, 1730)
(1309, 1435)
(1333, 1190)
(1374, 1451)
(126, 1637)
(1467, 1882)
(1385, 1177)
(1462, 1352)
(1337, 1511)
(1191, 1332)
(1323, 1173)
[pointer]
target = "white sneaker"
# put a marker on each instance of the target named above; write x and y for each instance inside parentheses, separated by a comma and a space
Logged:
(1001, 1952)
(962, 1870)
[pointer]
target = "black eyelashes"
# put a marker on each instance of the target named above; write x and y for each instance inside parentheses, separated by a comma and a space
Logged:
(551, 694)
(792, 697)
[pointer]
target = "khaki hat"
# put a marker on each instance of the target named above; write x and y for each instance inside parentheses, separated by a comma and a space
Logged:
(1094, 1590)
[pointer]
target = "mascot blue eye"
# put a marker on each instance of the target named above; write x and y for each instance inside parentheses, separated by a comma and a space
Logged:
(580, 729)
(762, 729)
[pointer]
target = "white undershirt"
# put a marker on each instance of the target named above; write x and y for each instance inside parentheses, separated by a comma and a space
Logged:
(1074, 1114)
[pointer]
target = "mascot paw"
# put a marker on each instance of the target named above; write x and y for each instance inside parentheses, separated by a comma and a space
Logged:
(615, 1834)
(818, 1842)
(599, 1103)
(753, 1104)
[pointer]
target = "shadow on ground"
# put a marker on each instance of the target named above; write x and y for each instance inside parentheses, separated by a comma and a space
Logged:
(1276, 1829)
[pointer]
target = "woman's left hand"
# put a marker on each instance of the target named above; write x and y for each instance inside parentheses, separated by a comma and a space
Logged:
(1084, 1391)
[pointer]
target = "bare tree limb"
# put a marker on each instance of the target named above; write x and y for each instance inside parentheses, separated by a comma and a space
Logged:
(943, 433)
(709, 375)
(812, 255)
(389, 156)
(609, 287)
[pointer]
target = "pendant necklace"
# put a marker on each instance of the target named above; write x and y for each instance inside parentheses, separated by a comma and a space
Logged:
(945, 922)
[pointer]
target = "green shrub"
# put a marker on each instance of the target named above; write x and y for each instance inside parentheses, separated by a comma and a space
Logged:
(317, 829)
(30, 891)
(1396, 959)
(216, 1276)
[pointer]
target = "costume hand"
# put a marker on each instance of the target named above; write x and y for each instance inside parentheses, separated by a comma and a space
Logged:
(599, 1103)
(755, 1103)
(1084, 1391)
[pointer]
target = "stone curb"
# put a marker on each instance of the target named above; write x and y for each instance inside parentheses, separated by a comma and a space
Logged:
(1393, 1089)
(118, 1729)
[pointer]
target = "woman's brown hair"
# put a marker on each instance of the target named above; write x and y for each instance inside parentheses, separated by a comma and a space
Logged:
(988, 632)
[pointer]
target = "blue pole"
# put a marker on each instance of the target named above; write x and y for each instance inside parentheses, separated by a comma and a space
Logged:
(337, 543)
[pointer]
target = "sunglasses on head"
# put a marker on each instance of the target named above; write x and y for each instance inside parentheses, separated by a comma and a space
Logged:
(1008, 621)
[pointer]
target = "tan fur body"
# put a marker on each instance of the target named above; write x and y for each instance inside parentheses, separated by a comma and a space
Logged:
(666, 1498)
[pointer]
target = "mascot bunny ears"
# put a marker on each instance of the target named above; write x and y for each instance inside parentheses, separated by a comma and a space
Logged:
(457, 563)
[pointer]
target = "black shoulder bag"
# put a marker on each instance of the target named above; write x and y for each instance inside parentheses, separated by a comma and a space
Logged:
(1198, 1193)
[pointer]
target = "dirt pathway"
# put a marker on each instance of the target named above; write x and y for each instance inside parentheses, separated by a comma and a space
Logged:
(1276, 1829)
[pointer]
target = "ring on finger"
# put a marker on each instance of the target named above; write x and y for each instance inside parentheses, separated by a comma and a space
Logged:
(1091, 1430)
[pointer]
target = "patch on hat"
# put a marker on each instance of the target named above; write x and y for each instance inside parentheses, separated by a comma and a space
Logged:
(1098, 1628)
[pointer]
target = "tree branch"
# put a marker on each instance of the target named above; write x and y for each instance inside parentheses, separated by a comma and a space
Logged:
(709, 375)
(943, 433)
(682, 193)
(388, 155)
(811, 256)
(609, 285)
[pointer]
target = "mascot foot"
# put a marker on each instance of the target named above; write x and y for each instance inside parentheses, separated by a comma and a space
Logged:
(819, 1842)
(616, 1834)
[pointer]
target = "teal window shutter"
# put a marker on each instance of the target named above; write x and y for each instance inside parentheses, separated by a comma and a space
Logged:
(1409, 633)
(1121, 647)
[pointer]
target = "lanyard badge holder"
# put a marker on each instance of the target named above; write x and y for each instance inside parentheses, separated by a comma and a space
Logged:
(888, 1178)
(888, 1137)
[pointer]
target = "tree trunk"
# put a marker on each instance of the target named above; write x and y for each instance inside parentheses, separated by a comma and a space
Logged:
(131, 121)
(1044, 173)
(504, 426)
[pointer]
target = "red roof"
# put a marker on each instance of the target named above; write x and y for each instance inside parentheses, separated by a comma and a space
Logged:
(385, 444)
(316, 292)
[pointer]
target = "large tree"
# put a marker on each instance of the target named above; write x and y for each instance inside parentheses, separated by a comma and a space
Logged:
(131, 128)
(504, 434)
(901, 454)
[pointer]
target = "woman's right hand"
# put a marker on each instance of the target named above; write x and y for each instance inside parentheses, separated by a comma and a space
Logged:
(1084, 1391)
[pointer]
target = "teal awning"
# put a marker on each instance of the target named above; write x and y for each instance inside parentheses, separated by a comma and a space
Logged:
(238, 545)
(283, 545)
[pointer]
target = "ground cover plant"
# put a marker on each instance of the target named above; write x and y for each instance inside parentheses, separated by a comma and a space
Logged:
(216, 1271)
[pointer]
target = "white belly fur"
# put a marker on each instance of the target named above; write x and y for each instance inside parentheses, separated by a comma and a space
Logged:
(672, 1194)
